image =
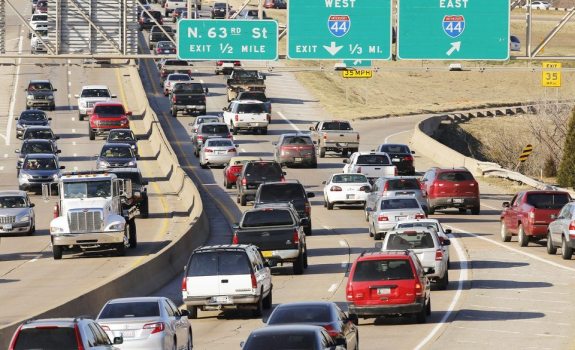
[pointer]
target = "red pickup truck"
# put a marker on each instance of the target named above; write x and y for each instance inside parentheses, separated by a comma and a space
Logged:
(107, 116)
(529, 213)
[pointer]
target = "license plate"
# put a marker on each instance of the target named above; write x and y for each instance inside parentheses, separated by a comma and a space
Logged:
(128, 334)
(221, 300)
(350, 196)
(297, 159)
(228, 65)
(220, 152)
(267, 254)
(7, 227)
(457, 200)
(395, 159)
(166, 51)
(253, 124)
(399, 218)
(190, 107)
(381, 291)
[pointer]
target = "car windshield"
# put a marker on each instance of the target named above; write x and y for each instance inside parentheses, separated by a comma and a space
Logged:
(47, 338)
(33, 116)
(173, 77)
(297, 140)
(131, 310)
(13, 202)
(219, 143)
(89, 189)
(188, 88)
(455, 176)
(165, 45)
(39, 134)
(109, 110)
(207, 120)
(218, 263)
(263, 171)
(403, 184)
(301, 314)
(36, 18)
(251, 108)
(336, 126)
(245, 74)
(267, 217)
(394, 149)
(399, 203)
(95, 93)
(116, 135)
(373, 159)
(548, 200)
(40, 164)
(281, 341)
(410, 240)
(432, 225)
(37, 147)
(175, 63)
(281, 192)
(378, 270)
(208, 128)
(45, 86)
(349, 178)
(116, 152)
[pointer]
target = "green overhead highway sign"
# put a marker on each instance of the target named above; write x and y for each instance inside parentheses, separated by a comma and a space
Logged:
(357, 63)
(453, 30)
(339, 29)
(212, 39)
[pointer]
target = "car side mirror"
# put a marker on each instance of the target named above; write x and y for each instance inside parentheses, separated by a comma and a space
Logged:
(118, 340)
(57, 138)
(49, 118)
(15, 118)
(412, 152)
(311, 128)
(32, 205)
(206, 90)
(346, 161)
(310, 195)
(185, 313)
(314, 142)
(430, 271)
(341, 342)
(353, 318)
(368, 210)
(378, 245)
(129, 113)
(62, 167)
(446, 242)
(225, 109)
(284, 173)
(54, 90)
(553, 216)
(324, 182)
(505, 204)
(304, 221)
(77, 96)
(16, 151)
(236, 145)
(145, 182)
(235, 226)
(274, 143)
(113, 96)
(448, 230)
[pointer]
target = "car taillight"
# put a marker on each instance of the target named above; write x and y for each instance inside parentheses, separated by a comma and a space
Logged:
(283, 179)
(244, 181)
(359, 170)
(156, 327)
(106, 328)
(408, 158)
(230, 136)
(158, 50)
(295, 236)
(208, 150)
(219, 63)
(184, 284)
(78, 337)
(235, 239)
(382, 218)
(531, 215)
(386, 186)
(335, 188)
(349, 292)
(200, 138)
(232, 150)
(420, 216)
(12, 345)
(572, 226)
(418, 289)
(307, 209)
(364, 188)
(438, 255)
(395, 170)
(174, 98)
(331, 330)
(237, 63)
(236, 117)
(254, 281)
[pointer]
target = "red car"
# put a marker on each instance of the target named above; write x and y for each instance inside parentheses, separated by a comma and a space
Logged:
(234, 168)
(387, 283)
(451, 188)
(529, 214)
(41, 7)
(107, 116)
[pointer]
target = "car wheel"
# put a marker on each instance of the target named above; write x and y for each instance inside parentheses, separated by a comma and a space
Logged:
(522, 237)
(551, 249)
(421, 316)
(329, 206)
(443, 281)
(307, 230)
(324, 204)
(475, 210)
(505, 236)
(120, 249)
(370, 231)
(91, 134)
(174, 112)
(204, 165)
(145, 208)
(259, 306)
(243, 201)
(305, 262)
(428, 308)
(238, 199)
(268, 301)
(566, 250)
(32, 229)
(376, 235)
(298, 265)
(190, 342)
(133, 236)
(322, 152)
(193, 310)
(234, 129)
(345, 153)
(57, 252)
(431, 210)
(264, 131)
(80, 117)
(462, 210)
(227, 184)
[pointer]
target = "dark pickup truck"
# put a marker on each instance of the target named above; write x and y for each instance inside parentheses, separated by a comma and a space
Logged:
(139, 198)
(188, 97)
(245, 80)
(277, 230)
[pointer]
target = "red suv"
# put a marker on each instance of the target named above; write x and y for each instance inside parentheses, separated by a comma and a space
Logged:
(108, 116)
(451, 188)
(388, 282)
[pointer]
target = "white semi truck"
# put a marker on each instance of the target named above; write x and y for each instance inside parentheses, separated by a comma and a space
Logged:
(91, 213)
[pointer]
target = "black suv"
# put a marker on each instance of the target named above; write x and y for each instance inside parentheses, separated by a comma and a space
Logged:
(40, 94)
(401, 156)
(291, 191)
(139, 191)
(255, 173)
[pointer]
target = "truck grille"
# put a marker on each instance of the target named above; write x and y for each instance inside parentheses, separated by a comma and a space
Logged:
(110, 123)
(7, 219)
(84, 220)
(90, 104)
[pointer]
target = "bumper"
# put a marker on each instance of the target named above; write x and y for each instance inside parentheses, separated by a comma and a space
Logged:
(16, 227)
(274, 256)
(457, 202)
(211, 301)
(26, 186)
(217, 160)
(189, 107)
(380, 310)
(537, 230)
(347, 197)
(252, 125)
(153, 341)
(85, 110)
(87, 239)
(387, 226)
(298, 160)
(340, 146)
(40, 103)
(404, 169)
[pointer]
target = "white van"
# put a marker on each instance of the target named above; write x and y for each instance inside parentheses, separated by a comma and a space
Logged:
(227, 276)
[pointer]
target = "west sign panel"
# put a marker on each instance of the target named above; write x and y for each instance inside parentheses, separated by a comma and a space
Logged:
(453, 29)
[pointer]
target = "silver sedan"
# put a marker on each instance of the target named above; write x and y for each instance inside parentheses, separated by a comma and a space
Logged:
(388, 211)
(217, 151)
(146, 323)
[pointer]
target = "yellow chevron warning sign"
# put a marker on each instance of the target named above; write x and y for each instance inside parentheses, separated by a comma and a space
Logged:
(527, 150)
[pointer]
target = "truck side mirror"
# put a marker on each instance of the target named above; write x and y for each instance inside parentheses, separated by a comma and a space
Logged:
(346, 161)
(448, 230)
(505, 204)
(311, 128)
(446, 242)
(310, 195)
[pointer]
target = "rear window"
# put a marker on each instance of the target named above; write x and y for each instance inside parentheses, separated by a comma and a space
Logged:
(175, 63)
(189, 88)
(267, 217)
(109, 110)
(288, 341)
(403, 184)
(219, 263)
(378, 270)
(214, 129)
(219, 143)
(297, 140)
(59, 338)
(129, 310)
(263, 171)
(547, 200)
(251, 108)
(301, 314)
(116, 135)
(394, 149)
(349, 178)
(281, 192)
(455, 176)
(373, 159)
(179, 77)
(432, 225)
(406, 240)
(336, 126)
(256, 95)
(399, 203)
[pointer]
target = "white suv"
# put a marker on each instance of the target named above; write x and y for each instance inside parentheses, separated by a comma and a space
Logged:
(36, 46)
(38, 21)
(225, 276)
(88, 97)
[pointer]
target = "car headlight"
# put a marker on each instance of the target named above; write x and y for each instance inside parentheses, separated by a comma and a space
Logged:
(103, 163)
(50, 97)
(131, 163)
(55, 176)
(54, 229)
(25, 176)
(133, 146)
(30, 97)
(24, 218)
(19, 127)
(116, 227)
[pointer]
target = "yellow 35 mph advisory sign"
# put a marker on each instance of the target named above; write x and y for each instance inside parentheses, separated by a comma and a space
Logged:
(357, 73)
(551, 74)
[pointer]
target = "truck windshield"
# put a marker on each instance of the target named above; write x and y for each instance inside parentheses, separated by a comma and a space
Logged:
(91, 189)
(95, 93)
(251, 108)
(267, 217)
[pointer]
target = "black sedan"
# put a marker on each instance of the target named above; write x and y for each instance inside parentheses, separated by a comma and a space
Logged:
(328, 315)
(124, 136)
(401, 156)
(31, 117)
(116, 155)
(37, 146)
(293, 336)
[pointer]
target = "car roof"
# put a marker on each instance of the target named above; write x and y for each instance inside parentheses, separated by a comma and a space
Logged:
(117, 144)
(244, 102)
(282, 183)
(134, 300)
(306, 303)
(61, 322)
(37, 141)
(214, 123)
(296, 134)
(218, 138)
(29, 111)
(241, 159)
(451, 169)
(223, 247)
(109, 103)
(288, 328)
(120, 130)
(42, 127)
(371, 152)
(87, 87)
(386, 254)
(7, 193)
(543, 192)
(278, 205)
(40, 81)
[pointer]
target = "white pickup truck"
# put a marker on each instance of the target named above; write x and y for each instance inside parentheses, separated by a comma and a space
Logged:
(171, 5)
(372, 164)
(247, 115)
(88, 97)
(38, 21)
(334, 136)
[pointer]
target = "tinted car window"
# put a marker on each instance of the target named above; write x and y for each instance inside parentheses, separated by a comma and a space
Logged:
(39, 134)
(403, 184)
(40, 164)
(189, 88)
(60, 338)
(175, 63)
(219, 143)
(547, 200)
(455, 176)
(254, 95)
(297, 140)
(40, 147)
(129, 310)
(372, 159)
(402, 241)
(263, 171)
(40, 86)
(301, 314)
(222, 263)
(96, 93)
(399, 203)
(349, 178)
(287, 341)
(33, 116)
(336, 126)
(109, 110)
(179, 77)
(13, 202)
(267, 218)
(116, 152)
(394, 149)
(375, 270)
(164, 45)
(432, 225)
(251, 108)
(121, 136)
(214, 129)
(281, 192)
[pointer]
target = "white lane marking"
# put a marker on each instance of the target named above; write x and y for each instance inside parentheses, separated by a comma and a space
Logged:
(517, 251)
(33, 260)
(69, 72)
(210, 184)
(333, 287)
(392, 135)
(74, 130)
(201, 81)
(69, 83)
(73, 118)
(75, 168)
(69, 96)
(342, 242)
(289, 121)
(242, 149)
(75, 154)
(550, 335)
(463, 276)
(13, 102)
(73, 143)
(344, 264)
(5, 155)
(328, 228)
(1, 168)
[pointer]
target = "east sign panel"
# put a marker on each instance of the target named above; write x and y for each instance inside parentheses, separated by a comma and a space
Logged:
(339, 29)
(213, 39)
(453, 29)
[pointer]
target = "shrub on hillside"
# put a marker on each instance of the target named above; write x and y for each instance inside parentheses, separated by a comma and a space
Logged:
(566, 174)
